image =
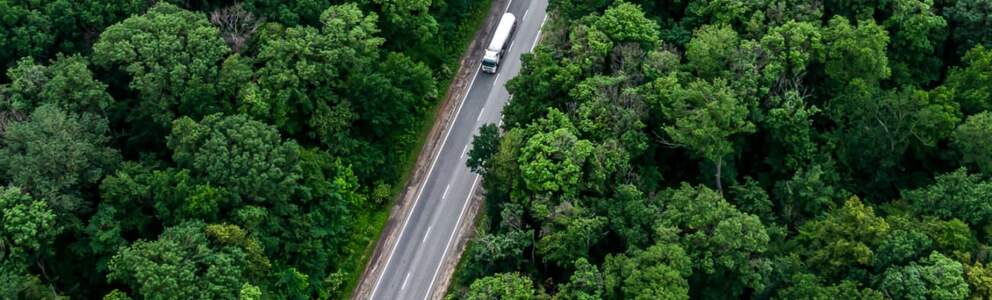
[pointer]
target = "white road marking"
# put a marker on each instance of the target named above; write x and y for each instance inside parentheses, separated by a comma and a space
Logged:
(405, 280)
(421, 190)
(445, 191)
(480, 114)
(465, 150)
(525, 14)
(471, 192)
(427, 234)
(497, 77)
(431, 170)
(538, 33)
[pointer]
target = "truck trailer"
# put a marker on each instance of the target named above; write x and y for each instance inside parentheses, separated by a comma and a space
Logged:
(499, 44)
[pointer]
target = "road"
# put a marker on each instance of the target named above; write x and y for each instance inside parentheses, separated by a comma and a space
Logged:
(428, 232)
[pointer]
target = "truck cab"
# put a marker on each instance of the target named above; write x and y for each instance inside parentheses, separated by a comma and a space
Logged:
(499, 44)
(490, 61)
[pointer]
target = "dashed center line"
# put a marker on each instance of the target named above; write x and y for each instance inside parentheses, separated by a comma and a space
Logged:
(480, 114)
(445, 195)
(405, 280)
(427, 234)
(465, 150)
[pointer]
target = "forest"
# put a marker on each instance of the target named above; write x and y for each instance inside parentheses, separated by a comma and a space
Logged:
(742, 149)
(194, 149)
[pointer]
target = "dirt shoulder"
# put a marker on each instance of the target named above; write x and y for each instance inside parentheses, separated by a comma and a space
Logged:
(444, 119)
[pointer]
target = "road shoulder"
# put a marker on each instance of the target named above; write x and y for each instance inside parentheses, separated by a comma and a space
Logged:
(445, 118)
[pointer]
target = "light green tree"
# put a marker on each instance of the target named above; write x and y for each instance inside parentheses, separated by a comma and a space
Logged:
(842, 240)
(503, 286)
(855, 52)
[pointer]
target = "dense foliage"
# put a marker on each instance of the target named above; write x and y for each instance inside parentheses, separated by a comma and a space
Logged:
(742, 149)
(209, 149)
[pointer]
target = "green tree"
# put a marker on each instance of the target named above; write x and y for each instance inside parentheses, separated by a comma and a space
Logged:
(730, 12)
(172, 57)
(726, 245)
(934, 277)
(586, 283)
(25, 32)
(485, 144)
(808, 194)
(407, 21)
(954, 195)
(503, 286)
(189, 261)
(711, 50)
(658, 272)
(901, 246)
(877, 130)
(245, 157)
(303, 71)
(543, 82)
(808, 286)
(387, 117)
(573, 9)
(749, 197)
(626, 22)
(497, 252)
(631, 215)
(979, 280)
(973, 139)
(288, 12)
(854, 9)
(972, 83)
(969, 21)
(842, 240)
(789, 121)
(703, 117)
(551, 161)
(39, 29)
(58, 157)
(27, 226)
(855, 52)
(67, 83)
(918, 35)
(792, 47)
(571, 235)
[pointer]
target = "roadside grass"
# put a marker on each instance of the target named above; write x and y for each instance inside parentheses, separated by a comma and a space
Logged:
(369, 224)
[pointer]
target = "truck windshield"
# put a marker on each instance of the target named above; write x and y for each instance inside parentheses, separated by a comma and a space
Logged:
(488, 63)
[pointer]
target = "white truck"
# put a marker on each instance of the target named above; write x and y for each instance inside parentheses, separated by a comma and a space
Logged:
(501, 41)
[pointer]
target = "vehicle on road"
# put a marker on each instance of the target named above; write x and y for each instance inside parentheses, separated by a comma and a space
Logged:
(499, 44)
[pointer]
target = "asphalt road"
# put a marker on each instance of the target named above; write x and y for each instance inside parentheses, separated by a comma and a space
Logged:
(427, 234)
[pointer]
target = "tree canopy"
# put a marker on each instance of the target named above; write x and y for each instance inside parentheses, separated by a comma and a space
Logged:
(732, 149)
(210, 149)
